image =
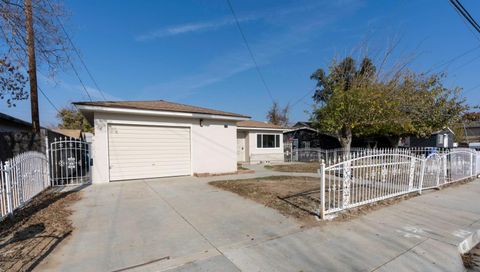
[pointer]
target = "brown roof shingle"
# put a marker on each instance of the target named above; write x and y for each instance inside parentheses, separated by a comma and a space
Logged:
(257, 124)
(159, 105)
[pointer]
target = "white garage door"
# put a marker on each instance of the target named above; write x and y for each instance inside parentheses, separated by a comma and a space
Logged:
(137, 152)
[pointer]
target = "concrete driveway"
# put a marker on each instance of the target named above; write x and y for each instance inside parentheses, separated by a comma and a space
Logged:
(183, 224)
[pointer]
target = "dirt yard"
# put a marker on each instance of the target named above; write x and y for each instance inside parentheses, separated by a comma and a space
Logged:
(298, 197)
(295, 167)
(471, 259)
(35, 230)
(276, 192)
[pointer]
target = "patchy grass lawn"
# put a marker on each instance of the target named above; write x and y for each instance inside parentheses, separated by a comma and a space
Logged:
(35, 230)
(295, 167)
(271, 192)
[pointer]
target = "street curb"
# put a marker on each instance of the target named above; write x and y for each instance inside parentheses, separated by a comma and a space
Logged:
(469, 243)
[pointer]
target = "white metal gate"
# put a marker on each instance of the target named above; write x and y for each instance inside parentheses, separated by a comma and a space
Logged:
(370, 178)
(70, 161)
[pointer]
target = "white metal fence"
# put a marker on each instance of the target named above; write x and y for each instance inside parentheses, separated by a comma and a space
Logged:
(336, 155)
(22, 178)
(363, 179)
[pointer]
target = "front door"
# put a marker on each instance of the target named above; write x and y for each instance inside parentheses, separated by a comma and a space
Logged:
(241, 136)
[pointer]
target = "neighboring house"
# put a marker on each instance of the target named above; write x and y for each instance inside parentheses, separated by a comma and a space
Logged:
(442, 138)
(10, 124)
(303, 135)
(471, 135)
(150, 139)
(259, 142)
(16, 137)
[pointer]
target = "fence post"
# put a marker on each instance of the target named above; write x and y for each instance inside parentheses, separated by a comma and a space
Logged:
(444, 163)
(422, 174)
(47, 153)
(347, 182)
(438, 167)
(411, 175)
(471, 164)
(8, 188)
(326, 157)
(321, 171)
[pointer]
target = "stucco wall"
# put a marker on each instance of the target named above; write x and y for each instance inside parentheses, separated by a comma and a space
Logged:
(264, 155)
(213, 147)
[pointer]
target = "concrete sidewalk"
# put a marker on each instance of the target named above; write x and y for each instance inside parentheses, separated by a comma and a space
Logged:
(183, 224)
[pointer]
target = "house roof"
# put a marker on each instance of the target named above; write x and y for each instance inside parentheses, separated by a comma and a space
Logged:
(445, 129)
(257, 124)
(158, 105)
(301, 128)
(12, 120)
(302, 124)
(72, 133)
(475, 124)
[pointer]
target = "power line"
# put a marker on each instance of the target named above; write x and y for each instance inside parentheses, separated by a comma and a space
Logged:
(468, 14)
(471, 89)
(250, 50)
(434, 67)
(466, 24)
(465, 14)
(78, 54)
(79, 79)
(48, 99)
(301, 98)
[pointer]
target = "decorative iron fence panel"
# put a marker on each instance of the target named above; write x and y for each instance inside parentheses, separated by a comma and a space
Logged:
(22, 178)
(70, 161)
(364, 179)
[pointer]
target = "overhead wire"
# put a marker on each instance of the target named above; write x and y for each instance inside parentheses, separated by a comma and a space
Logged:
(262, 78)
(78, 53)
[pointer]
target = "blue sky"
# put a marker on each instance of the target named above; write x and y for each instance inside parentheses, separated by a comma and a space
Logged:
(191, 51)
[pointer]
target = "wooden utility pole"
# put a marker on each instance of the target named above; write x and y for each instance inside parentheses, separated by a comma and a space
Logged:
(32, 66)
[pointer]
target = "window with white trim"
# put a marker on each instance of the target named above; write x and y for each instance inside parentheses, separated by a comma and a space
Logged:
(268, 140)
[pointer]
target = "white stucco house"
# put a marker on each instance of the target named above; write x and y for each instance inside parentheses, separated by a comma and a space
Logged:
(151, 139)
(259, 142)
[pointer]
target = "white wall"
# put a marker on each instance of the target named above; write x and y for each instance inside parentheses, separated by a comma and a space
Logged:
(213, 146)
(264, 155)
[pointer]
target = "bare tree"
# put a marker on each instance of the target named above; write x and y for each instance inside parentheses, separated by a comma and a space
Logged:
(31, 29)
(277, 115)
(12, 83)
(51, 45)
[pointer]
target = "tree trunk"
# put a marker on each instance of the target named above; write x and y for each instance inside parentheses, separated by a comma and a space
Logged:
(345, 139)
(393, 140)
(32, 66)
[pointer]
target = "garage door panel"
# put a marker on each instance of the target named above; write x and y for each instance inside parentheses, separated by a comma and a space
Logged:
(137, 152)
(145, 146)
(157, 164)
(166, 138)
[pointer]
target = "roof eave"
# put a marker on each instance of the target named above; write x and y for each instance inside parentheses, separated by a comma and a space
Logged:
(261, 128)
(300, 128)
(88, 108)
